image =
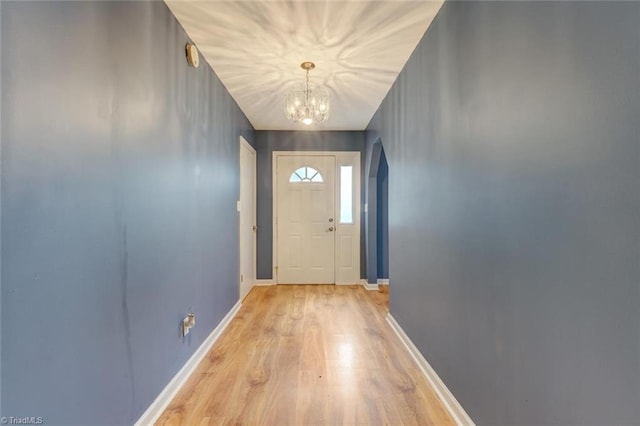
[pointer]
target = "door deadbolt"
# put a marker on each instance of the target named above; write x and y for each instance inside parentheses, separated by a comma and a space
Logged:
(330, 219)
(255, 228)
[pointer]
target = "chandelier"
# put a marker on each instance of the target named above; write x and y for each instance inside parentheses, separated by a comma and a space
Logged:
(306, 104)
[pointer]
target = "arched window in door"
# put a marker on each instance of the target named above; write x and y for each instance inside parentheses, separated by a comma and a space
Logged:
(305, 174)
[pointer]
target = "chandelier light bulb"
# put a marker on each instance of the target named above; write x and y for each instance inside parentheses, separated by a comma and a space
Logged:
(306, 103)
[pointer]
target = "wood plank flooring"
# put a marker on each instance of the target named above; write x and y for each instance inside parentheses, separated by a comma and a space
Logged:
(308, 355)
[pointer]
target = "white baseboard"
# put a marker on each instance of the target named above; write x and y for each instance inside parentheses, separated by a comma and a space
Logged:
(383, 281)
(165, 397)
(448, 400)
(368, 286)
(262, 283)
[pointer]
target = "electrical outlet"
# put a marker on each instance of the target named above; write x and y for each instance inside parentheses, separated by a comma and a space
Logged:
(188, 323)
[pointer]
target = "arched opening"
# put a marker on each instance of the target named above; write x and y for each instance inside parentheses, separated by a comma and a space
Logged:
(382, 225)
(377, 242)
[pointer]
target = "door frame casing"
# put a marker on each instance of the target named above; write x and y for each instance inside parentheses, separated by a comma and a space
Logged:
(343, 158)
(244, 143)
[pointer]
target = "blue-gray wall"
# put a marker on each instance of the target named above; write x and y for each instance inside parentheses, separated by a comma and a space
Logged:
(513, 141)
(266, 143)
(119, 186)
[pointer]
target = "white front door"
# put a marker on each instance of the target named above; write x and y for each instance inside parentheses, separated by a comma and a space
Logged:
(305, 219)
(247, 207)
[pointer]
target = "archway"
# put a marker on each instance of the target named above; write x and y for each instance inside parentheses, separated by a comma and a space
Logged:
(377, 218)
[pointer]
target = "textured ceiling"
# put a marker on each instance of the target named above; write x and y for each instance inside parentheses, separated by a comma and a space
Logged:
(256, 48)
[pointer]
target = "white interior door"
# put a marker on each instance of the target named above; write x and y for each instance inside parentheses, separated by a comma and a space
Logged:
(305, 219)
(247, 207)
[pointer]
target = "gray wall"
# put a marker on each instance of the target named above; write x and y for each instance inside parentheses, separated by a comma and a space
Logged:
(266, 143)
(512, 136)
(119, 186)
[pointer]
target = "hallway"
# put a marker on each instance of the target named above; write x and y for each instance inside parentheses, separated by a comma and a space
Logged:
(312, 354)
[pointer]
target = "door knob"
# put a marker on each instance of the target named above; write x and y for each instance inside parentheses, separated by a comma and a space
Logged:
(255, 228)
(330, 228)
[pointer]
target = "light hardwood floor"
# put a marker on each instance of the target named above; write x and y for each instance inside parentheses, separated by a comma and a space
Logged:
(308, 354)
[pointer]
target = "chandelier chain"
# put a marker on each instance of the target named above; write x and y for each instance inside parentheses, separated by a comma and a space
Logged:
(307, 91)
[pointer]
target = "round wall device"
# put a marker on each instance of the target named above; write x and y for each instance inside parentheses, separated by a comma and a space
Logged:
(193, 58)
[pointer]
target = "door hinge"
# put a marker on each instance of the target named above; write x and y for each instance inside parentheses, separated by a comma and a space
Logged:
(241, 278)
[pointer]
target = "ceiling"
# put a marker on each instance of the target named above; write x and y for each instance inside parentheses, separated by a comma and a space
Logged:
(256, 47)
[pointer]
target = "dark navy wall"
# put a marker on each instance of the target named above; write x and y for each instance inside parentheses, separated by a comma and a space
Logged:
(376, 190)
(266, 143)
(382, 218)
(374, 153)
(513, 142)
(119, 186)
(1, 133)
